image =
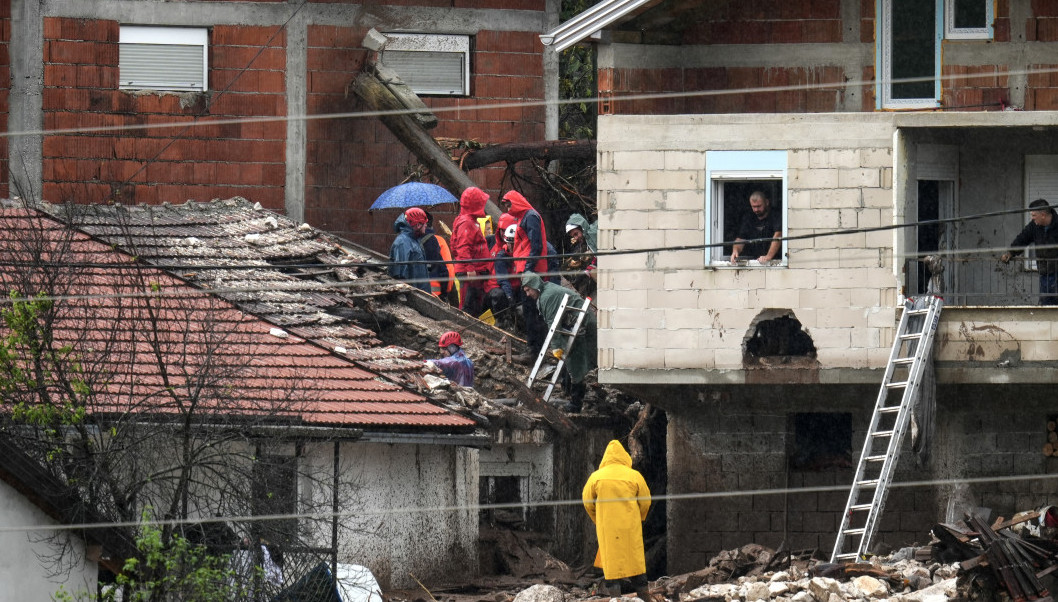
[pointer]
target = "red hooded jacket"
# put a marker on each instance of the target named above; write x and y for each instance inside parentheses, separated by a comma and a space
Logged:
(467, 240)
(531, 239)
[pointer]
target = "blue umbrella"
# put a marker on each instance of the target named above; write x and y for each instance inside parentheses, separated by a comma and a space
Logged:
(413, 194)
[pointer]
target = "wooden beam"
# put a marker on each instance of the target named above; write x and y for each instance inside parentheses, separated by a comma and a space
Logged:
(412, 135)
(520, 151)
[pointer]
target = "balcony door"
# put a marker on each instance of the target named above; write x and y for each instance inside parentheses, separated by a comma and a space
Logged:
(937, 173)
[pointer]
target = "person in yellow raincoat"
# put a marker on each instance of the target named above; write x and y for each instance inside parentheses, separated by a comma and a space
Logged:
(617, 499)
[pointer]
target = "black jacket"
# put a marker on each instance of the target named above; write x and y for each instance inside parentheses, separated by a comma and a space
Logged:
(1046, 241)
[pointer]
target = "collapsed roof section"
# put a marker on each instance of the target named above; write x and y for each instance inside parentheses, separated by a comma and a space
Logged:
(145, 332)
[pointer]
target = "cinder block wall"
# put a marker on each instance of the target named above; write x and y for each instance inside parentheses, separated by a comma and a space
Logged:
(679, 317)
(732, 446)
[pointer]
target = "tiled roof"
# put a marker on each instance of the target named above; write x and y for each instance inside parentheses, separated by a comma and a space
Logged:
(289, 274)
(149, 342)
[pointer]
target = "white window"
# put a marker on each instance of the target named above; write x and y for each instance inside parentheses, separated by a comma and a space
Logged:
(968, 19)
(908, 54)
(733, 176)
(163, 58)
(430, 63)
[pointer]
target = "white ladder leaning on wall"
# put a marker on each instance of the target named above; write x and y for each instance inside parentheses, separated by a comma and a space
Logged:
(571, 332)
(912, 348)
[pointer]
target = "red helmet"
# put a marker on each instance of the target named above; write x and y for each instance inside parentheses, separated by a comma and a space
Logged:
(450, 338)
(415, 217)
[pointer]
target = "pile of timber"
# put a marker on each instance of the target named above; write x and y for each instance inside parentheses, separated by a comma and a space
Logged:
(996, 556)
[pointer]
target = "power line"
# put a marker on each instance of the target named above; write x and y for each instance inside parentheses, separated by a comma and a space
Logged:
(360, 512)
(522, 103)
(379, 264)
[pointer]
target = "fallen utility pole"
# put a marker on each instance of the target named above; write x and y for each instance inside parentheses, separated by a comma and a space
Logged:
(406, 128)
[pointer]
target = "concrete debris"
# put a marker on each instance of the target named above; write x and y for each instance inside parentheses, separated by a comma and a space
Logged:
(541, 593)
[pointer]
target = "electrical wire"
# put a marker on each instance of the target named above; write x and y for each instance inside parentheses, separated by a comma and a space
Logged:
(361, 512)
(471, 108)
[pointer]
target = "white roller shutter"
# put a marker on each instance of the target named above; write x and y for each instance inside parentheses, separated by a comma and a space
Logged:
(430, 63)
(163, 58)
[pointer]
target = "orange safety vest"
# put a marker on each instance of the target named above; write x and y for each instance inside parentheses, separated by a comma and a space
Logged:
(446, 254)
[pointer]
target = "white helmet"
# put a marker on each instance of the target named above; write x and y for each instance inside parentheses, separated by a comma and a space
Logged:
(508, 234)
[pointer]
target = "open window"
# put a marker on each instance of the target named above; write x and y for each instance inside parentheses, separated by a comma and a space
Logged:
(430, 63)
(908, 54)
(821, 441)
(163, 58)
(968, 19)
(732, 177)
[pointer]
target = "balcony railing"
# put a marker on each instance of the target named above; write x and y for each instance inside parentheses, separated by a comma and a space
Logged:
(974, 281)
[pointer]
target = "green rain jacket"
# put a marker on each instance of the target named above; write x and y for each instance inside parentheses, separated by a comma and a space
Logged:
(582, 357)
(591, 231)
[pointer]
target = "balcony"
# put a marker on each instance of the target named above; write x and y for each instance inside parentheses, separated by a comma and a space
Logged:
(975, 281)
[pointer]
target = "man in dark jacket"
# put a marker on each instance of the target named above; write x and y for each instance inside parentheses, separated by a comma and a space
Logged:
(758, 226)
(581, 360)
(406, 248)
(1042, 231)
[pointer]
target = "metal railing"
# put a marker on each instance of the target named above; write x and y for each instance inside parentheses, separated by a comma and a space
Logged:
(975, 281)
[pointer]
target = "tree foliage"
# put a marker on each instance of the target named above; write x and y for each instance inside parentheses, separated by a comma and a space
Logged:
(123, 393)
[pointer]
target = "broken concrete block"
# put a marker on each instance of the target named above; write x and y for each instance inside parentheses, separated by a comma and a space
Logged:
(778, 588)
(755, 591)
(802, 596)
(945, 590)
(541, 593)
(822, 587)
(866, 586)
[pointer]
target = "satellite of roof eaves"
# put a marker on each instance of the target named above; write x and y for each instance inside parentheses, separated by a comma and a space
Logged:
(144, 346)
(211, 244)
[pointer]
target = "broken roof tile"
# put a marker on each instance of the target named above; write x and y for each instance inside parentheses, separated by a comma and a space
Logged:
(128, 341)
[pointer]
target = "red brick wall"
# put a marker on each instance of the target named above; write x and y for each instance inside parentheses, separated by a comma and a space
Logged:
(352, 160)
(819, 88)
(749, 22)
(164, 164)
(974, 88)
(729, 90)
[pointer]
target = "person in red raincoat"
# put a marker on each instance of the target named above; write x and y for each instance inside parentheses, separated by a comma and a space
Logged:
(529, 241)
(468, 243)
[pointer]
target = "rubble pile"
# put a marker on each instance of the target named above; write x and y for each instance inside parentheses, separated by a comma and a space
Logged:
(1016, 558)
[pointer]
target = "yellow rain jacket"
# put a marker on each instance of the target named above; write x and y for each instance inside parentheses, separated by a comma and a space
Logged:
(610, 499)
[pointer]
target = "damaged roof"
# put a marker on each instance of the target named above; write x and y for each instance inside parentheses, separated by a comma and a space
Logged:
(144, 333)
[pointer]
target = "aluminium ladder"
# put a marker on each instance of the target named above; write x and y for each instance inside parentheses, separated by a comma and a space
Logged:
(571, 333)
(912, 346)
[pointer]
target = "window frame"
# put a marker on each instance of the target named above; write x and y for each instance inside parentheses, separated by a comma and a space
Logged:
(431, 42)
(727, 166)
(164, 36)
(884, 55)
(951, 32)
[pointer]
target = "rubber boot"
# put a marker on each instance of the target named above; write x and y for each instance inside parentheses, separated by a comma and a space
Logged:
(644, 594)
